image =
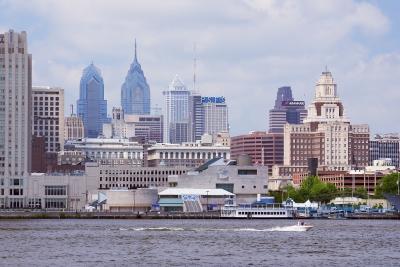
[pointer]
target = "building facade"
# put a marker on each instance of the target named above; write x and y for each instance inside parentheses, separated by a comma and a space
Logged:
(176, 113)
(108, 151)
(326, 133)
(265, 149)
(48, 116)
(118, 128)
(190, 155)
(130, 177)
(196, 112)
(385, 146)
(148, 128)
(286, 110)
(15, 117)
(135, 92)
(73, 127)
(215, 115)
(92, 107)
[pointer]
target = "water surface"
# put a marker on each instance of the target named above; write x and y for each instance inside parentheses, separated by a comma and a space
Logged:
(198, 243)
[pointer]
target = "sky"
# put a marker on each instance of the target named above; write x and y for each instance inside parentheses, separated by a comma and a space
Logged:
(245, 50)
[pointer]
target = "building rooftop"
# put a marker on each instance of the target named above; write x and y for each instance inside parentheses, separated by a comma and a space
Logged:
(194, 191)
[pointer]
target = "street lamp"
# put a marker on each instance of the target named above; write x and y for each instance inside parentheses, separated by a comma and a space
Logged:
(207, 199)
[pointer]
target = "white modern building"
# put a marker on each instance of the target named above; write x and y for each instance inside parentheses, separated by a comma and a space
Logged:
(109, 151)
(118, 128)
(215, 115)
(245, 181)
(176, 113)
(385, 146)
(48, 116)
(15, 117)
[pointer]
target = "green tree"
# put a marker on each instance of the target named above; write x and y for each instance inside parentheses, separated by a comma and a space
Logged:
(387, 185)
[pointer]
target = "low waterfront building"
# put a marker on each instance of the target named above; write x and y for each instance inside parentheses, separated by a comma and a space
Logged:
(59, 192)
(245, 181)
(125, 200)
(193, 200)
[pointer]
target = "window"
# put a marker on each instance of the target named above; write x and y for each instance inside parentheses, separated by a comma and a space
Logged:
(55, 190)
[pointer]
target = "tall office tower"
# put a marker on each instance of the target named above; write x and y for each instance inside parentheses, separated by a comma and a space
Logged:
(326, 133)
(73, 127)
(385, 146)
(215, 115)
(92, 108)
(286, 110)
(196, 113)
(15, 117)
(176, 108)
(48, 116)
(135, 92)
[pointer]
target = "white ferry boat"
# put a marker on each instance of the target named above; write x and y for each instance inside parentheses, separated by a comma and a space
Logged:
(271, 211)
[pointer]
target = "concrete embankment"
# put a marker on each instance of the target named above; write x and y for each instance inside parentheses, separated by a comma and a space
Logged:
(15, 215)
(104, 215)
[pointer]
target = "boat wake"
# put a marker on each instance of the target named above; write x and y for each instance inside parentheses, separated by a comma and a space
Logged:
(292, 228)
(153, 229)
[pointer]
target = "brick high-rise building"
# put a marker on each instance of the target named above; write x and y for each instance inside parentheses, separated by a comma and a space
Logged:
(326, 133)
(264, 148)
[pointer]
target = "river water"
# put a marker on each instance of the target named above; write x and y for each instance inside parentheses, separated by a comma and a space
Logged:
(198, 243)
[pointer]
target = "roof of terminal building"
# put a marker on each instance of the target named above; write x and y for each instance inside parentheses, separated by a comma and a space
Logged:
(194, 191)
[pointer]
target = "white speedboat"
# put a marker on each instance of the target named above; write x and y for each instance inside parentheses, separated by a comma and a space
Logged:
(301, 226)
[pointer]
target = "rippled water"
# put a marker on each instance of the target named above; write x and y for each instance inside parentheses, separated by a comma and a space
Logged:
(198, 243)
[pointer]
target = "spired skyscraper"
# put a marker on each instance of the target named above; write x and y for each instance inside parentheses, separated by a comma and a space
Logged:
(92, 108)
(135, 92)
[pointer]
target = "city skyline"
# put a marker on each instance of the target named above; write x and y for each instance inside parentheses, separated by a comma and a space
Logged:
(236, 51)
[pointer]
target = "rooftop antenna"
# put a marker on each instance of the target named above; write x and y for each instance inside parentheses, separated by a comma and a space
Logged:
(72, 110)
(194, 66)
(135, 50)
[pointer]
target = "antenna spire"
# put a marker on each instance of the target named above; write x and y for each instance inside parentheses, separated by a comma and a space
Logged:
(194, 66)
(135, 51)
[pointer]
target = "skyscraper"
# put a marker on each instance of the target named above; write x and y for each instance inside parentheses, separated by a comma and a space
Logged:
(196, 112)
(176, 117)
(286, 110)
(92, 107)
(15, 117)
(135, 92)
(215, 115)
(48, 116)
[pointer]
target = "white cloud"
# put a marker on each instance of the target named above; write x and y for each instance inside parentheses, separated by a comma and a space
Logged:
(246, 49)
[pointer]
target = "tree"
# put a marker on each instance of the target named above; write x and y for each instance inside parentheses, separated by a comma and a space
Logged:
(312, 188)
(387, 185)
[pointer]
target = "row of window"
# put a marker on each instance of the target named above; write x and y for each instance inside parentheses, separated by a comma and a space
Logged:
(194, 155)
(143, 172)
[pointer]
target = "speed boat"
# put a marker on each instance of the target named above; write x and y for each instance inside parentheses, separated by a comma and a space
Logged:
(301, 226)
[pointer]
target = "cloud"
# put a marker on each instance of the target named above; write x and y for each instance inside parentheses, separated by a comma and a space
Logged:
(245, 49)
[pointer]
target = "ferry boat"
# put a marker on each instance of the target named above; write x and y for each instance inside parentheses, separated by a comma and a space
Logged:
(269, 211)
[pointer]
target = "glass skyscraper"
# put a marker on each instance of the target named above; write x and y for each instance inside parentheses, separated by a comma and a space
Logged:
(286, 110)
(135, 92)
(92, 107)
